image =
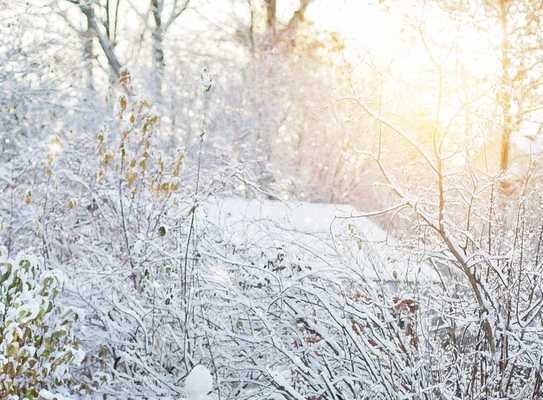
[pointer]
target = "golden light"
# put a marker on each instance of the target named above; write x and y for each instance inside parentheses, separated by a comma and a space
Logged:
(435, 65)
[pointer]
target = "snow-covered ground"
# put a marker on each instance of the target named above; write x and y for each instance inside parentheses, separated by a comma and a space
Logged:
(326, 235)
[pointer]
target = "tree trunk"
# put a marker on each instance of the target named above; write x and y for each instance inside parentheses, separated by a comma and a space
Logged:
(88, 56)
(505, 89)
(105, 44)
(297, 17)
(252, 31)
(158, 49)
(271, 18)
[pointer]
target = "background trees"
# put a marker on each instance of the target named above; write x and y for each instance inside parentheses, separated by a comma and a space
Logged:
(518, 51)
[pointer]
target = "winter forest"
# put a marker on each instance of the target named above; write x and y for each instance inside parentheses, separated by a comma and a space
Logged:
(271, 199)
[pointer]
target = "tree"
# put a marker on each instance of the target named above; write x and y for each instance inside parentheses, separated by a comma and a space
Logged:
(276, 34)
(104, 30)
(520, 54)
(162, 22)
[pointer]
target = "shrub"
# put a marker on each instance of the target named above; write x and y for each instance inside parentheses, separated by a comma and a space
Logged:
(36, 343)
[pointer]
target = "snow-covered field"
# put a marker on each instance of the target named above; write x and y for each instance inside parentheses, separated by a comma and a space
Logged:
(325, 235)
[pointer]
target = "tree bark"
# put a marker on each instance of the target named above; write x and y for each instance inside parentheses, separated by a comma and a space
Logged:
(298, 16)
(271, 18)
(88, 56)
(158, 47)
(505, 89)
(105, 43)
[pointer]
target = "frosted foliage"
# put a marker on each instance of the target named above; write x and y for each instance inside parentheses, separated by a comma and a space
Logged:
(36, 344)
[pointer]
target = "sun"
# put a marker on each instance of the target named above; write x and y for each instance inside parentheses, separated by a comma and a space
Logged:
(403, 33)
(437, 69)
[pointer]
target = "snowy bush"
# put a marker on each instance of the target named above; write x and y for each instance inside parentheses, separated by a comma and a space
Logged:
(112, 220)
(36, 342)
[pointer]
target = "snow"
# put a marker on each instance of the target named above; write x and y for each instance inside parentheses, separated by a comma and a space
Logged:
(296, 216)
(326, 235)
(47, 395)
(199, 383)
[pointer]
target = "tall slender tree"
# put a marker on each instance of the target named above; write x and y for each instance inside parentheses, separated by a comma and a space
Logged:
(104, 33)
(164, 16)
(520, 54)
